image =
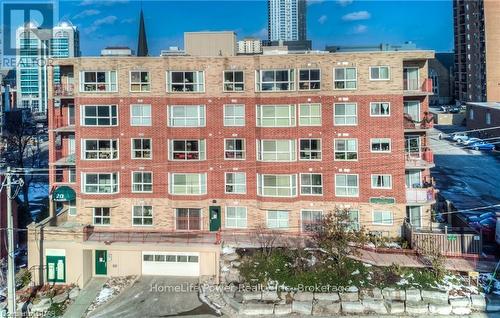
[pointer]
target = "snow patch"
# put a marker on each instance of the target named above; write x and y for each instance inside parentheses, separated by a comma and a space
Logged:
(104, 295)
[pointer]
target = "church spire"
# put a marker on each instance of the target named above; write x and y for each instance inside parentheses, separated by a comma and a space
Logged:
(142, 43)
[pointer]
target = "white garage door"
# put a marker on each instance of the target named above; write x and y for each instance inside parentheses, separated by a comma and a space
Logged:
(171, 263)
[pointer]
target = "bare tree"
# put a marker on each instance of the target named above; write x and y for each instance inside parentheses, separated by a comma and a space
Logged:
(266, 239)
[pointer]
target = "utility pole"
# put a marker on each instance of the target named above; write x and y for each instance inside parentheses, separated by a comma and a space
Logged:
(11, 283)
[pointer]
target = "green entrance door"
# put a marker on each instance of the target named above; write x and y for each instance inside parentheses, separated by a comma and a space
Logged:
(56, 269)
(214, 218)
(101, 266)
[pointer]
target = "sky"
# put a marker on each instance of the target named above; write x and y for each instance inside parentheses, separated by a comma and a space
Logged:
(427, 23)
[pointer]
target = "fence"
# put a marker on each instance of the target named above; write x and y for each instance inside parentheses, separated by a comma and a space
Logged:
(451, 241)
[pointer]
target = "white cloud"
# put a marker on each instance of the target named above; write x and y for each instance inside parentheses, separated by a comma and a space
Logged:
(322, 19)
(101, 2)
(360, 28)
(344, 3)
(127, 21)
(109, 20)
(262, 33)
(86, 13)
(357, 16)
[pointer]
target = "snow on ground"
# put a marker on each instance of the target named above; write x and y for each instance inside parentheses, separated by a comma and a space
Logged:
(104, 295)
(228, 250)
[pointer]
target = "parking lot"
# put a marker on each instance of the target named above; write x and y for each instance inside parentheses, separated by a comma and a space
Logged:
(466, 177)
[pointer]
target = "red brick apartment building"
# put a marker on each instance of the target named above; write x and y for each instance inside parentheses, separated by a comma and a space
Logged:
(148, 146)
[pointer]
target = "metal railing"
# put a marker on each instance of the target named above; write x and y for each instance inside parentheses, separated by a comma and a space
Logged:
(63, 90)
(420, 195)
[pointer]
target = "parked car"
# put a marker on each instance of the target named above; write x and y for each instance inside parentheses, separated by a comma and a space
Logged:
(481, 145)
(459, 137)
(471, 140)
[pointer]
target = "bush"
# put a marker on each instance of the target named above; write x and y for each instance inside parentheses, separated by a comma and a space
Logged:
(23, 278)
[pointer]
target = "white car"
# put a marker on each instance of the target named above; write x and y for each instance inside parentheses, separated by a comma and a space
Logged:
(471, 141)
(459, 137)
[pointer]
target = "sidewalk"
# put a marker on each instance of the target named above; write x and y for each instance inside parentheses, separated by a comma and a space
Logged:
(86, 297)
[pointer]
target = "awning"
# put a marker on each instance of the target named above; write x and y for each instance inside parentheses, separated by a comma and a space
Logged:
(63, 194)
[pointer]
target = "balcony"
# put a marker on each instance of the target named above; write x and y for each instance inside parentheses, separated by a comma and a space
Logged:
(63, 90)
(61, 160)
(420, 196)
(419, 160)
(411, 125)
(412, 87)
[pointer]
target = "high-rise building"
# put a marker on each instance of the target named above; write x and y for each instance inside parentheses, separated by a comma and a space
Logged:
(250, 46)
(477, 58)
(287, 20)
(35, 46)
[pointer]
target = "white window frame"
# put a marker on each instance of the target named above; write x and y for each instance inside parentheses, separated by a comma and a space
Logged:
(101, 216)
(345, 80)
(379, 67)
(142, 149)
(115, 182)
(292, 188)
(309, 81)
(319, 223)
(99, 152)
(383, 219)
(374, 181)
(311, 186)
(345, 117)
(259, 82)
(292, 150)
(201, 152)
(234, 83)
(347, 151)
(280, 222)
(235, 151)
(110, 117)
(140, 83)
(320, 151)
(202, 184)
(378, 106)
(189, 209)
(292, 118)
(309, 118)
(110, 86)
(142, 217)
(373, 141)
(197, 75)
(235, 185)
(201, 118)
(346, 187)
(142, 183)
(142, 118)
(234, 118)
(236, 217)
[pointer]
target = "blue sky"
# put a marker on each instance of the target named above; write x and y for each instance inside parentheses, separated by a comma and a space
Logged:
(102, 23)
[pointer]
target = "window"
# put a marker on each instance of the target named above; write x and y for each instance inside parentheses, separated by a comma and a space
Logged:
(269, 185)
(471, 114)
(186, 81)
(310, 149)
(353, 219)
(311, 184)
(488, 119)
(346, 149)
(379, 73)
(140, 115)
(346, 185)
(233, 81)
(142, 148)
(236, 182)
(102, 216)
(100, 183)
(100, 149)
(234, 149)
(311, 220)
(309, 79)
(72, 175)
(381, 181)
(411, 79)
(382, 217)
(345, 114)
(414, 215)
(275, 115)
(276, 150)
(277, 219)
(101, 115)
(345, 78)
(380, 144)
(275, 80)
(98, 81)
(142, 181)
(188, 183)
(187, 116)
(139, 81)
(380, 109)
(142, 215)
(72, 207)
(234, 115)
(187, 149)
(310, 114)
(188, 219)
(236, 217)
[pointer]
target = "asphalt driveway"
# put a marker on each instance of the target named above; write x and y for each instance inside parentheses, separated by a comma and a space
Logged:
(156, 296)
